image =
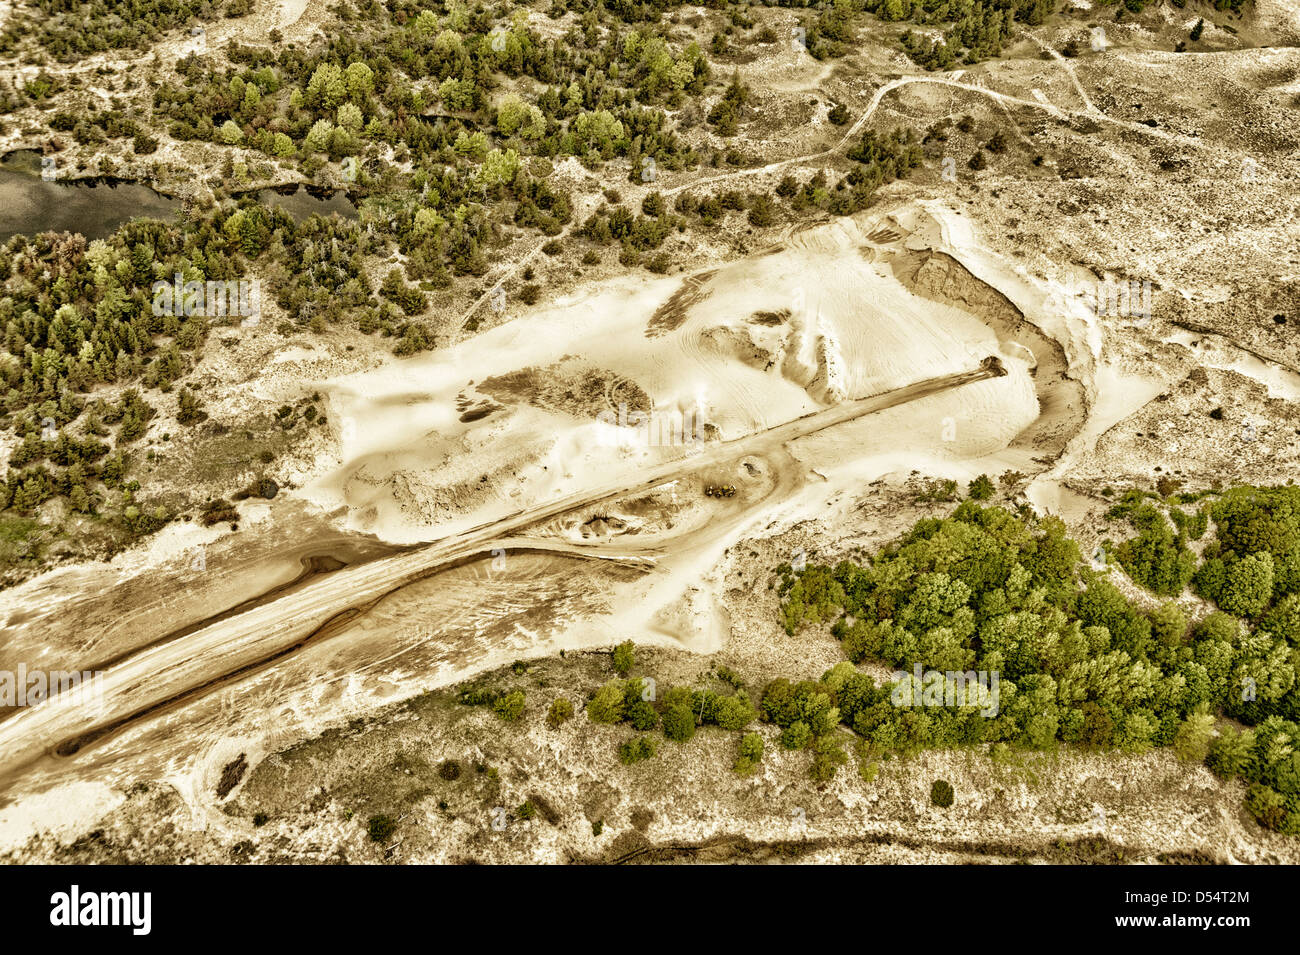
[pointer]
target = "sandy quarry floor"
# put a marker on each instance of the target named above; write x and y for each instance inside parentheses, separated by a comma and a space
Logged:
(513, 416)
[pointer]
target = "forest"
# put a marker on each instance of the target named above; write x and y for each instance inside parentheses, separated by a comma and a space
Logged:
(978, 29)
(73, 29)
(78, 316)
(424, 84)
(991, 590)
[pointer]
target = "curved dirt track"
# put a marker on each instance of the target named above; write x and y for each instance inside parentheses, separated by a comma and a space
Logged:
(1002, 98)
(170, 669)
(1089, 111)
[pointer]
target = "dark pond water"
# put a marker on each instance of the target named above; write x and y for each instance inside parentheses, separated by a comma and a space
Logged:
(95, 208)
(302, 202)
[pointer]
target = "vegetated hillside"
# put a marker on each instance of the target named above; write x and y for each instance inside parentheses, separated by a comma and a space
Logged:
(988, 590)
(89, 358)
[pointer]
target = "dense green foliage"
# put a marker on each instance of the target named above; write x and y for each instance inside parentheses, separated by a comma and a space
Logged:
(72, 29)
(410, 79)
(77, 316)
(978, 30)
(561, 711)
(680, 711)
(509, 706)
(624, 657)
(1268, 758)
(1253, 561)
(636, 749)
(980, 489)
(985, 590)
(750, 754)
(1158, 558)
(808, 717)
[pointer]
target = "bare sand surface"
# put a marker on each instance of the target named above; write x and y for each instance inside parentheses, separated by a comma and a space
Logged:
(451, 439)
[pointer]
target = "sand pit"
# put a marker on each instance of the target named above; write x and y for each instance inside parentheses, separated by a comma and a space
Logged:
(503, 425)
(511, 418)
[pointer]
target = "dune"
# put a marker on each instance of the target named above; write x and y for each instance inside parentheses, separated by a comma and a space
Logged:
(514, 416)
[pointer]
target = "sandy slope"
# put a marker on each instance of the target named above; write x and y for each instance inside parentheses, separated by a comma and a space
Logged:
(512, 417)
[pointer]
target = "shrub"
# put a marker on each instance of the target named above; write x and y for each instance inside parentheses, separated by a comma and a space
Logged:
(828, 756)
(190, 408)
(796, 736)
(733, 712)
(678, 717)
(510, 707)
(660, 263)
(1229, 755)
(641, 714)
(762, 211)
(941, 794)
(1283, 620)
(477, 696)
(381, 827)
(635, 750)
(231, 133)
(1192, 742)
(561, 710)
(750, 755)
(1267, 806)
(607, 705)
(730, 677)
(624, 658)
(1248, 585)
(980, 489)
(1157, 559)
